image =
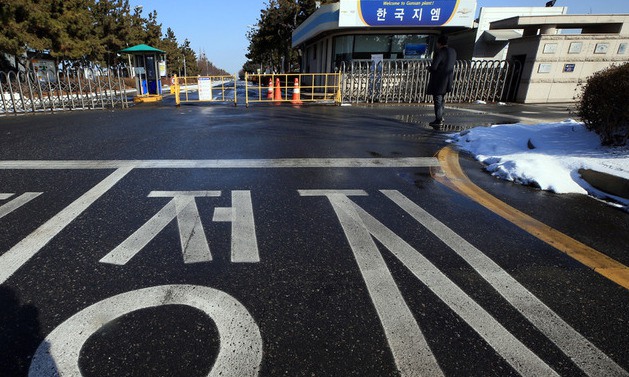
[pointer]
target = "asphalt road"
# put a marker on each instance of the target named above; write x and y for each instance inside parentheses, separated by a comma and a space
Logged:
(280, 241)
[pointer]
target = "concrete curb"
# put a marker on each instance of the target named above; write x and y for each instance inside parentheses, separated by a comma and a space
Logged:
(608, 183)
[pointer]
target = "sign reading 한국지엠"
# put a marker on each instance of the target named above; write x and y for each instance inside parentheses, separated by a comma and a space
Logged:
(355, 13)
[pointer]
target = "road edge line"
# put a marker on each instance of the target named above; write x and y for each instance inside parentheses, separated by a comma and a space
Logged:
(453, 176)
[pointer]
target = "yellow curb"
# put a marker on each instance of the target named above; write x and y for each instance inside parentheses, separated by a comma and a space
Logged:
(453, 176)
(148, 98)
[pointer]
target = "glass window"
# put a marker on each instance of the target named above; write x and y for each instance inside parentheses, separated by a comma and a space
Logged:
(376, 44)
(343, 47)
(391, 46)
(410, 46)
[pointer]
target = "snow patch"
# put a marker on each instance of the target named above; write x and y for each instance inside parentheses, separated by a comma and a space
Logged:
(560, 150)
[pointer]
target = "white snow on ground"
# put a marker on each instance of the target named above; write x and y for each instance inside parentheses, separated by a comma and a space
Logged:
(546, 155)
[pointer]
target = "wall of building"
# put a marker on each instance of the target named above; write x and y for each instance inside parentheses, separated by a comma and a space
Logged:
(555, 65)
(463, 44)
(498, 50)
(316, 58)
(472, 45)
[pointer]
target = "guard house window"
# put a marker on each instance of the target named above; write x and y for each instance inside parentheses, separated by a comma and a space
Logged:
(366, 45)
(343, 47)
(391, 46)
(409, 46)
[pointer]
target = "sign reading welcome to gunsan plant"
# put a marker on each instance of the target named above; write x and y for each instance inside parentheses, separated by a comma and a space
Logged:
(407, 13)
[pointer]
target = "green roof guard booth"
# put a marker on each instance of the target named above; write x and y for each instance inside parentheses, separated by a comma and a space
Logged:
(149, 64)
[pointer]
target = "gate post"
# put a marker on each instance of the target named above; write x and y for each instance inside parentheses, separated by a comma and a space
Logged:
(236, 90)
(176, 89)
(338, 97)
(247, 89)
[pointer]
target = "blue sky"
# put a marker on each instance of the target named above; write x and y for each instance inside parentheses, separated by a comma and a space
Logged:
(219, 27)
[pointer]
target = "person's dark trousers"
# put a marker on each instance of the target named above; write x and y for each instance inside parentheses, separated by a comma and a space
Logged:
(438, 100)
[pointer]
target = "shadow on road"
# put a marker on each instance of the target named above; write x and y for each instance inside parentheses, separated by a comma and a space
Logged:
(20, 333)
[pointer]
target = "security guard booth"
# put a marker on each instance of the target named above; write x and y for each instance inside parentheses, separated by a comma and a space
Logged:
(149, 65)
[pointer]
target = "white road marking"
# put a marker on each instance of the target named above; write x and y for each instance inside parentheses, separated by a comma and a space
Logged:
(359, 228)
(411, 352)
(21, 253)
(329, 192)
(192, 194)
(582, 352)
(244, 244)
(240, 352)
(500, 339)
(194, 245)
(16, 203)
(225, 164)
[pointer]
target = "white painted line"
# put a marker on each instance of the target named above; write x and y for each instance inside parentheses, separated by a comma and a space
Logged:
(66, 164)
(500, 339)
(194, 245)
(244, 244)
(21, 253)
(223, 214)
(183, 208)
(240, 352)
(227, 164)
(582, 352)
(16, 203)
(408, 345)
(141, 237)
(328, 192)
(173, 194)
(5, 196)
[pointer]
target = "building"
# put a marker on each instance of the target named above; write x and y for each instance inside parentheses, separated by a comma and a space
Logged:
(483, 43)
(550, 52)
(554, 63)
(366, 29)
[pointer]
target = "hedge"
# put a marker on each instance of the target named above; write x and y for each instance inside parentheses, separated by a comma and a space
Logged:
(603, 105)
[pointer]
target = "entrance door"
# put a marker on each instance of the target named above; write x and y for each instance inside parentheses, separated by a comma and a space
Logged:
(515, 75)
(154, 86)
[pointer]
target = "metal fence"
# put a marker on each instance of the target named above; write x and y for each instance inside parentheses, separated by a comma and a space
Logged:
(405, 81)
(218, 88)
(295, 88)
(26, 92)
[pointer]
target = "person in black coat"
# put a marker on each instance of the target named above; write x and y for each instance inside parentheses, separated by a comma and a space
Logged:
(441, 76)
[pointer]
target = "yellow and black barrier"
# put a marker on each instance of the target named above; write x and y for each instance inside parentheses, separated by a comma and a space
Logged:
(220, 88)
(293, 88)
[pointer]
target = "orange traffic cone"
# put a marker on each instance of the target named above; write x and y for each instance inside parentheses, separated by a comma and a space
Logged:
(278, 90)
(269, 94)
(296, 93)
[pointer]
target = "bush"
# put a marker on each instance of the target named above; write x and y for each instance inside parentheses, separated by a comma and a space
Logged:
(604, 104)
(129, 82)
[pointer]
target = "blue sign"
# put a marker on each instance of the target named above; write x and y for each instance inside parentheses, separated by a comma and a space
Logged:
(414, 50)
(413, 13)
